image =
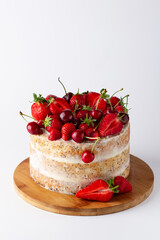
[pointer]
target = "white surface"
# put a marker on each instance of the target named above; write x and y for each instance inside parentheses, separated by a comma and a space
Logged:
(91, 45)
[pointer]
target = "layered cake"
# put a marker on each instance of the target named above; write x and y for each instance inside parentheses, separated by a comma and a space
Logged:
(78, 139)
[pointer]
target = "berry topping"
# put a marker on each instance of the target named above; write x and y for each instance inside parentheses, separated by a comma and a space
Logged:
(66, 116)
(67, 130)
(120, 108)
(78, 99)
(96, 114)
(123, 185)
(78, 136)
(40, 108)
(68, 96)
(87, 156)
(94, 100)
(98, 190)
(110, 125)
(76, 122)
(114, 101)
(90, 132)
(52, 122)
(55, 134)
(50, 97)
(58, 105)
(84, 126)
(123, 117)
(33, 128)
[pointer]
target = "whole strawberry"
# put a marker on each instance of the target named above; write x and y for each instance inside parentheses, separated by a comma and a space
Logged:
(67, 130)
(52, 122)
(123, 185)
(55, 134)
(78, 100)
(39, 108)
(96, 101)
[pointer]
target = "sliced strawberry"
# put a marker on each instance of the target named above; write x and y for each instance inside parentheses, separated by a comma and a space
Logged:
(92, 99)
(67, 130)
(98, 190)
(58, 105)
(39, 109)
(55, 134)
(124, 185)
(110, 125)
(114, 101)
(79, 100)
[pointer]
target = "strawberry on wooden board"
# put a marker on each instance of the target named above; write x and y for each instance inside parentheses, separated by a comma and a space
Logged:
(123, 185)
(58, 105)
(67, 130)
(109, 125)
(39, 108)
(98, 190)
(93, 98)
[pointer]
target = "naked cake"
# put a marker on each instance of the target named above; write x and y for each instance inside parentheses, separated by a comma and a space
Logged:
(78, 139)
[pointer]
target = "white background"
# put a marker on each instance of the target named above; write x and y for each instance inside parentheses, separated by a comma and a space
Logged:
(90, 45)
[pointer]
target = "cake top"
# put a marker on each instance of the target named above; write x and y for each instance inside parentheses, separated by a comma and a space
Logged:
(79, 116)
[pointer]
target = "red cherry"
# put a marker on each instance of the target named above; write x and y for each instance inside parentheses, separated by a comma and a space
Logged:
(33, 128)
(66, 116)
(76, 122)
(87, 156)
(40, 123)
(120, 108)
(68, 96)
(123, 117)
(109, 110)
(50, 96)
(90, 132)
(114, 101)
(78, 136)
(96, 114)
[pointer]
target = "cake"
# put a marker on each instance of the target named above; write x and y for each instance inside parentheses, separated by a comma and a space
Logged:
(78, 139)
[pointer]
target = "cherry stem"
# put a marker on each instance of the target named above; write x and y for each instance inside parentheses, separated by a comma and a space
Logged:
(117, 92)
(110, 104)
(121, 100)
(22, 115)
(62, 85)
(98, 138)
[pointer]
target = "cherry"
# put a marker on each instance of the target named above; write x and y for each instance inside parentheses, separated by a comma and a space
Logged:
(68, 96)
(78, 136)
(87, 156)
(51, 96)
(33, 128)
(123, 117)
(109, 110)
(96, 114)
(66, 116)
(76, 122)
(90, 132)
(40, 123)
(120, 108)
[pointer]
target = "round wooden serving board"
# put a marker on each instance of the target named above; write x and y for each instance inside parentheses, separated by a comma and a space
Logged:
(141, 177)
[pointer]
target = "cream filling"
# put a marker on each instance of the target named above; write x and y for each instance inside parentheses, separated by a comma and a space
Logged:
(76, 159)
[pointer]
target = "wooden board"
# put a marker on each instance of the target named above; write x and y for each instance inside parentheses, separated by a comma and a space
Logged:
(141, 178)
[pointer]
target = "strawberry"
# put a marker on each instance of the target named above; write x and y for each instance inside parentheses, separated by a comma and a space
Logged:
(95, 98)
(67, 130)
(55, 134)
(39, 108)
(78, 100)
(83, 113)
(98, 190)
(114, 101)
(52, 122)
(90, 132)
(120, 108)
(50, 96)
(58, 105)
(123, 185)
(109, 125)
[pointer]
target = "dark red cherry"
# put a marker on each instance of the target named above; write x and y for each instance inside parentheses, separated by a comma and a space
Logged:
(90, 132)
(96, 114)
(123, 117)
(78, 136)
(33, 128)
(76, 122)
(66, 116)
(109, 110)
(40, 123)
(87, 156)
(68, 96)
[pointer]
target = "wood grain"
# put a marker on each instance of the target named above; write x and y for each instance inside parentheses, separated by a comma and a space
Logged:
(141, 178)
